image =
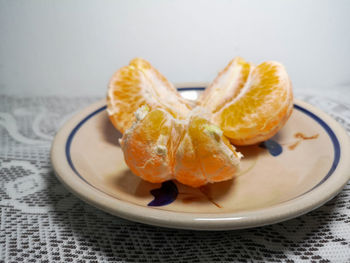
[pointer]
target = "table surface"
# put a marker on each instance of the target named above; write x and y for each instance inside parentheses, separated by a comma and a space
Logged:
(56, 58)
(42, 221)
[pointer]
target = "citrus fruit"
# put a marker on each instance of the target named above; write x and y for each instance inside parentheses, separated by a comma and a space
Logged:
(139, 84)
(249, 103)
(159, 147)
(165, 138)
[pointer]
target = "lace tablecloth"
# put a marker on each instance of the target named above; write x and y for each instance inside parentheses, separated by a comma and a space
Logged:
(40, 221)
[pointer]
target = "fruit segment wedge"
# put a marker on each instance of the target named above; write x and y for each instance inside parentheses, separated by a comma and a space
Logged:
(146, 145)
(140, 84)
(204, 154)
(227, 85)
(250, 104)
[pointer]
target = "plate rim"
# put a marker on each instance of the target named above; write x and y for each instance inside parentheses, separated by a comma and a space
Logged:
(308, 201)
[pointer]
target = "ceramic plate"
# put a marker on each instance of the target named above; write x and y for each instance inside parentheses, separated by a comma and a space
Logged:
(299, 169)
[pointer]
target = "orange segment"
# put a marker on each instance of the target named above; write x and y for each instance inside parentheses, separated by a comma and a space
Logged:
(145, 145)
(141, 84)
(205, 156)
(187, 169)
(227, 85)
(259, 109)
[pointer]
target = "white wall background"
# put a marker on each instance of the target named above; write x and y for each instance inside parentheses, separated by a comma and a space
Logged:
(73, 47)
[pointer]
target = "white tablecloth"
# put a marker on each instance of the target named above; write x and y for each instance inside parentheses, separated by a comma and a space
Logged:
(41, 221)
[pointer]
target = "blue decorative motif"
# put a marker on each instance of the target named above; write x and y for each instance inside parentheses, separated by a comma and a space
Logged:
(272, 146)
(164, 195)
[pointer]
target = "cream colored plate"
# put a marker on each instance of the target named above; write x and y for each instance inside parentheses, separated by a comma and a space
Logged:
(311, 169)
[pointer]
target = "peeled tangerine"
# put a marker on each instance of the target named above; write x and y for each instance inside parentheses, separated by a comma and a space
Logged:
(166, 138)
(193, 151)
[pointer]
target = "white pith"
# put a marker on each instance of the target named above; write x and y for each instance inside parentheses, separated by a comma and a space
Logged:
(141, 112)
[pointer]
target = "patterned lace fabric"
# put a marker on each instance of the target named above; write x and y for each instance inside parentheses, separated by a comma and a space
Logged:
(41, 221)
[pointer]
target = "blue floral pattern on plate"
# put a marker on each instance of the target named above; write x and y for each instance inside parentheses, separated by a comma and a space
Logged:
(164, 195)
